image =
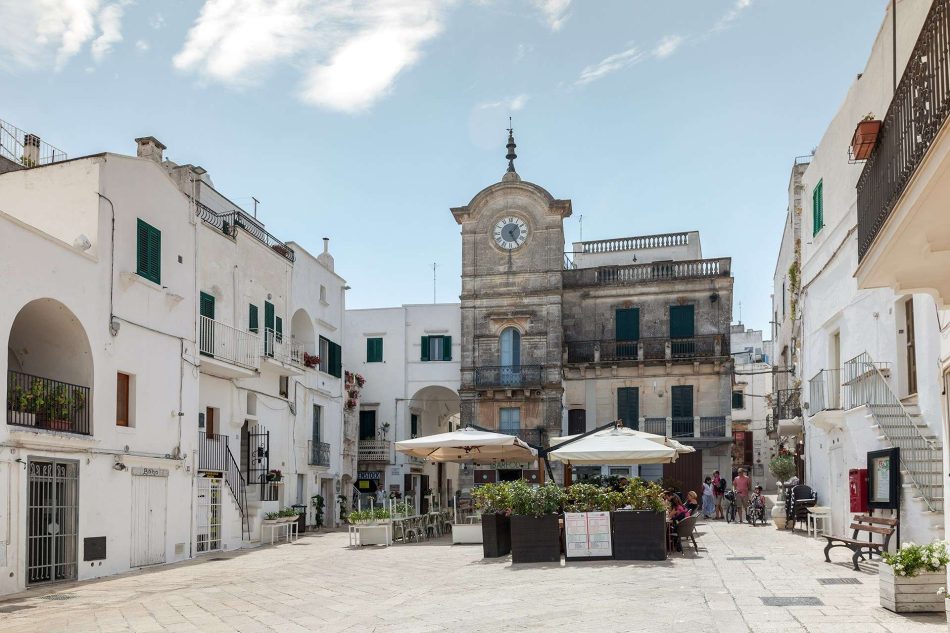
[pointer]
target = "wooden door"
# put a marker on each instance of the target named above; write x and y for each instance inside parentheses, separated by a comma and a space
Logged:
(688, 470)
(149, 503)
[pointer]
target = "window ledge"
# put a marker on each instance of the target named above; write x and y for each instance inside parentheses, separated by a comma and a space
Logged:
(131, 278)
(125, 430)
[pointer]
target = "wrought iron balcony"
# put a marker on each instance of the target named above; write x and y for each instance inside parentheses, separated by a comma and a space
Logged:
(714, 426)
(374, 451)
(42, 403)
(824, 391)
(224, 342)
(645, 349)
(916, 115)
(510, 377)
(647, 273)
(319, 453)
(213, 453)
(787, 404)
(229, 223)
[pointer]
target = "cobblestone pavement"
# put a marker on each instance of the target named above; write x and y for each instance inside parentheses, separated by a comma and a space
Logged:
(318, 584)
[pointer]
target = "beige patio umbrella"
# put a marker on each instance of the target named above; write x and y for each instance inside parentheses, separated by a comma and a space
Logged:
(679, 447)
(469, 445)
(619, 446)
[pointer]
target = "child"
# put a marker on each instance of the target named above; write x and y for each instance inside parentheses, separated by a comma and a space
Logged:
(756, 506)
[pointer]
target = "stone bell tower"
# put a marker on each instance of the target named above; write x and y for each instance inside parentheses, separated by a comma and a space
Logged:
(512, 258)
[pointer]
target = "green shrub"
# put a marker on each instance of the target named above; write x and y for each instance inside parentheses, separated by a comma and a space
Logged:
(911, 559)
(783, 467)
(493, 498)
(644, 495)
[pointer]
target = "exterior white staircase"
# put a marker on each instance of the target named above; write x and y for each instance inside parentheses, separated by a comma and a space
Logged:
(902, 426)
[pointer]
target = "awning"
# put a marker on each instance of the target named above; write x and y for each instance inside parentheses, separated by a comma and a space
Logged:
(616, 446)
(468, 445)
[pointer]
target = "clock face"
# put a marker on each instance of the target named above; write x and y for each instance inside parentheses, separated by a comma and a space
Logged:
(510, 232)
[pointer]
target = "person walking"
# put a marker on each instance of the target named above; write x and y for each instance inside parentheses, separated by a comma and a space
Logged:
(743, 486)
(719, 489)
(709, 505)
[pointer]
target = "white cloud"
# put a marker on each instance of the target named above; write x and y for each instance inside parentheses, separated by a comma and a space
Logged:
(553, 11)
(731, 16)
(40, 33)
(667, 46)
(142, 45)
(509, 104)
(352, 52)
(156, 21)
(612, 63)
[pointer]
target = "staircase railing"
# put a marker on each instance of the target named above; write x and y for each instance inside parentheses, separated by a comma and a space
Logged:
(235, 481)
(868, 386)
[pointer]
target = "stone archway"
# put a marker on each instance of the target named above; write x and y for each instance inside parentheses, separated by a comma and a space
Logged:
(434, 409)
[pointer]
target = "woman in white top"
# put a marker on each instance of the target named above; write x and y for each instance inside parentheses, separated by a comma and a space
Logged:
(709, 506)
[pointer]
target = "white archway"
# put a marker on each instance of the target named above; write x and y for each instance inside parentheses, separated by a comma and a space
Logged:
(435, 409)
(302, 332)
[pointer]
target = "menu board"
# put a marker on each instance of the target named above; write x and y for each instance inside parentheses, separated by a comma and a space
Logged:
(587, 534)
(884, 479)
(881, 479)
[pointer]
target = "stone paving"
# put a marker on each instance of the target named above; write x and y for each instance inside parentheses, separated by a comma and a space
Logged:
(318, 584)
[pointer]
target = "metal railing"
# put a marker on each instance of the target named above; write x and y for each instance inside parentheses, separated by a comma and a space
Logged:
(646, 273)
(916, 114)
(277, 346)
(657, 348)
(921, 455)
(513, 376)
(374, 451)
(635, 243)
(712, 426)
(212, 452)
(238, 486)
(43, 403)
(856, 377)
(26, 149)
(824, 391)
(787, 404)
(568, 262)
(224, 342)
(228, 223)
(683, 427)
(318, 453)
(657, 426)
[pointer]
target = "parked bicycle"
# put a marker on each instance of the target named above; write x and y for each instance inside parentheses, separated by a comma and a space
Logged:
(729, 499)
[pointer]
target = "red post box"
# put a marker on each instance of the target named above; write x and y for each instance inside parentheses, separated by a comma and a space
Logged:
(858, 487)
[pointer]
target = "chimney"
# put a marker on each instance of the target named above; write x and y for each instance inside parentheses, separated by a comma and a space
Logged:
(149, 147)
(325, 257)
(326, 245)
(31, 150)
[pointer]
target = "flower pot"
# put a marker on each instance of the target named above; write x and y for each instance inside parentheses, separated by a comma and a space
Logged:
(912, 594)
(496, 535)
(535, 539)
(778, 516)
(864, 139)
(638, 535)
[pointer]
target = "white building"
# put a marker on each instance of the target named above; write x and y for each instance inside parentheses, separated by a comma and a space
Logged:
(871, 355)
(751, 410)
(102, 388)
(409, 357)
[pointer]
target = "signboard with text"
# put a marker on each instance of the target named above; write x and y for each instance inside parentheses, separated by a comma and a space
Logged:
(587, 535)
(884, 479)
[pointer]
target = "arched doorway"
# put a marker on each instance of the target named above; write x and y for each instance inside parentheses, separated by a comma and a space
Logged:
(433, 409)
(302, 332)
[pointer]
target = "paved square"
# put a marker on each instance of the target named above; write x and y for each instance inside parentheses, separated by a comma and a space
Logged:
(318, 584)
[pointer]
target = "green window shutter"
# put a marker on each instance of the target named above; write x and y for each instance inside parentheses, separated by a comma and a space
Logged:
(446, 348)
(628, 406)
(334, 362)
(268, 315)
(628, 324)
(817, 208)
(252, 325)
(682, 321)
(279, 329)
(425, 348)
(682, 401)
(374, 350)
(379, 350)
(148, 252)
(206, 305)
(737, 402)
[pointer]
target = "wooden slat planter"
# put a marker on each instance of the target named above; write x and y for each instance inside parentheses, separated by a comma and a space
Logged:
(496, 535)
(912, 594)
(535, 539)
(638, 535)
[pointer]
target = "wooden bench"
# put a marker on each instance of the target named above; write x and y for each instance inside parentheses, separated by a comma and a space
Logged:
(869, 525)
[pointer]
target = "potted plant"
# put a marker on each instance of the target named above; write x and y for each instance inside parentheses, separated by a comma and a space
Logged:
(318, 503)
(341, 503)
(913, 578)
(310, 361)
(535, 528)
(494, 502)
(783, 467)
(865, 137)
(272, 518)
(638, 531)
(274, 475)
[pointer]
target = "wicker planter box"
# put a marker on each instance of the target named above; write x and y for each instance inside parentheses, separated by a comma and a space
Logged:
(638, 535)
(912, 594)
(496, 535)
(535, 539)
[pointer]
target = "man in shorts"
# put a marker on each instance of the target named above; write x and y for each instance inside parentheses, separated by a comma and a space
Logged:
(743, 486)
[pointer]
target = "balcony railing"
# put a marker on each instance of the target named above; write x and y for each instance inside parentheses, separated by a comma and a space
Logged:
(223, 342)
(534, 437)
(374, 451)
(917, 112)
(610, 351)
(787, 404)
(657, 426)
(26, 149)
(213, 453)
(319, 453)
(635, 243)
(228, 223)
(280, 347)
(824, 391)
(42, 403)
(714, 426)
(646, 273)
(512, 377)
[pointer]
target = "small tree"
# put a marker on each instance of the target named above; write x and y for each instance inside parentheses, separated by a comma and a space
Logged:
(317, 502)
(783, 467)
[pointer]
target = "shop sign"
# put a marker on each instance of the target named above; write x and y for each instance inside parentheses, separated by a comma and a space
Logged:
(369, 474)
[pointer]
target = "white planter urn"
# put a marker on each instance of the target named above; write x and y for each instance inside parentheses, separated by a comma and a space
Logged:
(778, 515)
(912, 594)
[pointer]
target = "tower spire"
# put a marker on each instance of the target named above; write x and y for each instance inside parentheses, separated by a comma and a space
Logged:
(511, 156)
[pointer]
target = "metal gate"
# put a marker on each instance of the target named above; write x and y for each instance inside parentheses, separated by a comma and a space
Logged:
(52, 521)
(258, 462)
(208, 506)
(149, 510)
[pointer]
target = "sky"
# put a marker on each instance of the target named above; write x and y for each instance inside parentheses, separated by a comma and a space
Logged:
(365, 120)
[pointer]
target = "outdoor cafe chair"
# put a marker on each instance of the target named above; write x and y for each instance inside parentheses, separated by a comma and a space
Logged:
(686, 529)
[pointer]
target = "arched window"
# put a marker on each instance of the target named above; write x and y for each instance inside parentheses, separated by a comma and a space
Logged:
(510, 347)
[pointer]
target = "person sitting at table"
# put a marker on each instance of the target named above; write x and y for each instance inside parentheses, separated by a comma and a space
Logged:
(692, 501)
(674, 515)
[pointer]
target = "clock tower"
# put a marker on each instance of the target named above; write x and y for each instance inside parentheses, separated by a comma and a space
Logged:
(512, 261)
